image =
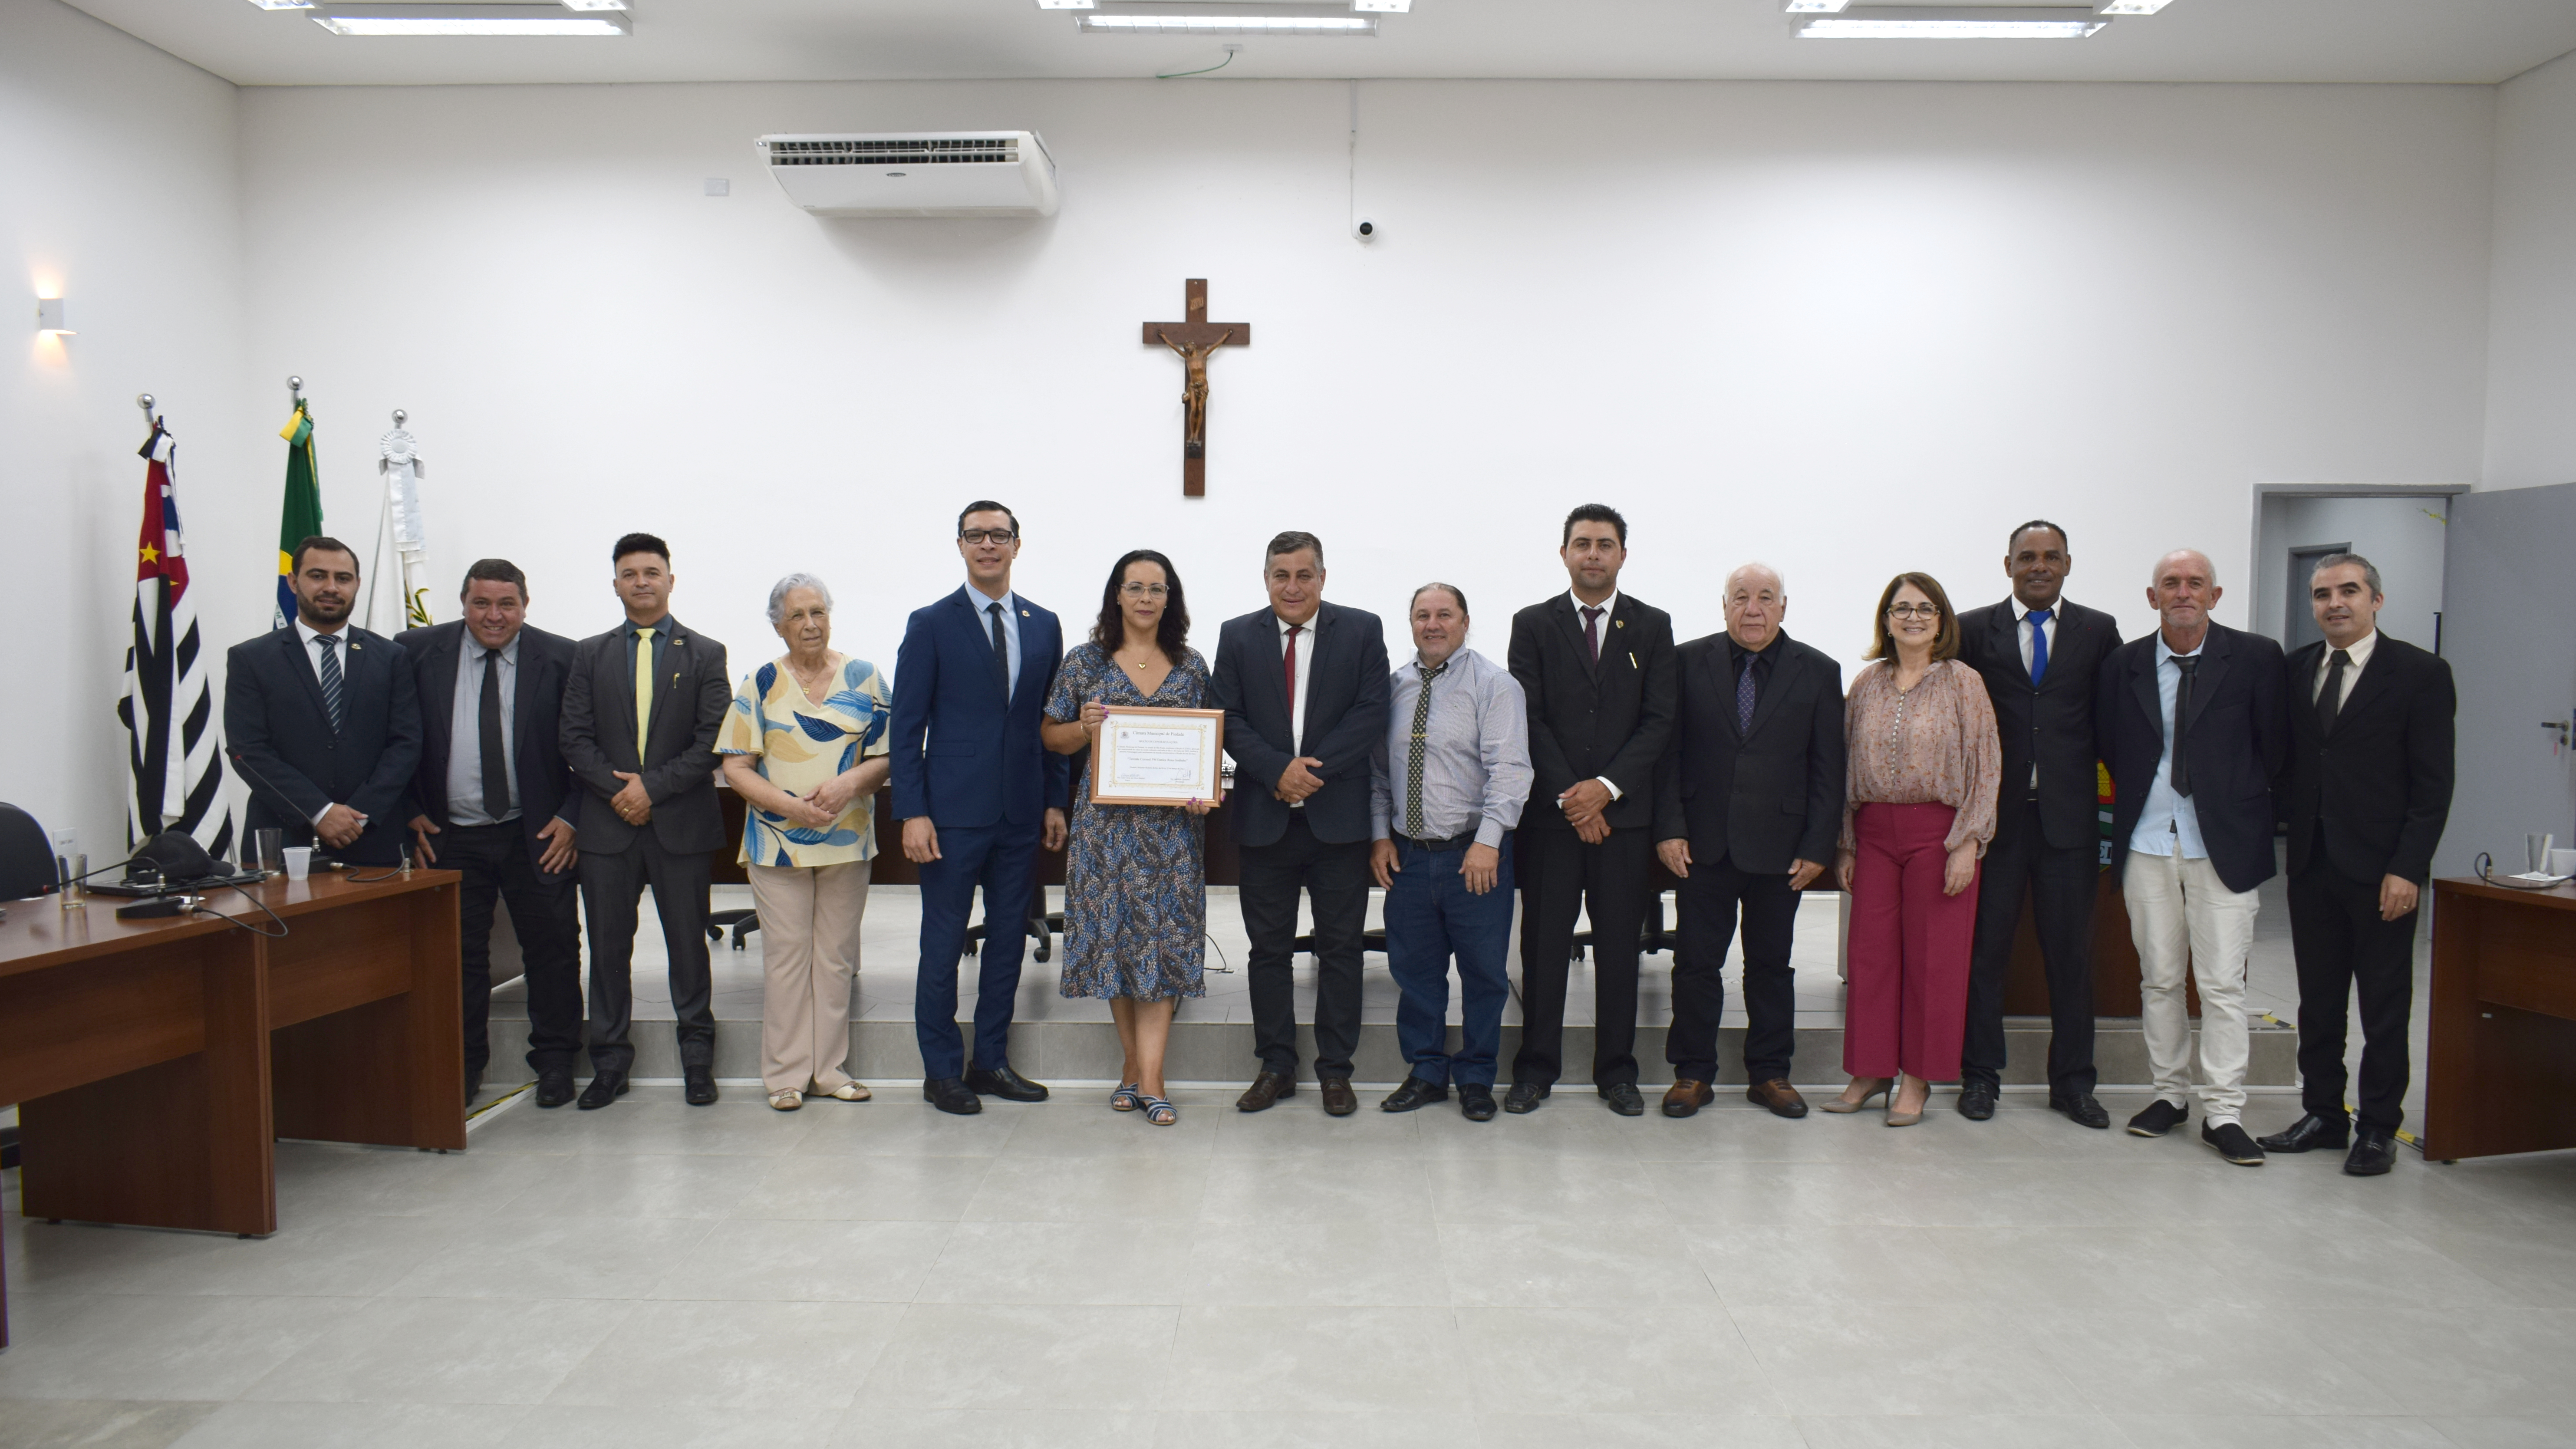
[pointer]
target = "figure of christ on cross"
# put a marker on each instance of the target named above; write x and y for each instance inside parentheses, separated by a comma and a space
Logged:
(1193, 340)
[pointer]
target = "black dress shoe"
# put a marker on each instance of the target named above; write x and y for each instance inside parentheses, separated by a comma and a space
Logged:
(2080, 1108)
(1476, 1103)
(2229, 1140)
(2373, 1153)
(604, 1088)
(699, 1085)
(1339, 1099)
(1524, 1098)
(1414, 1093)
(554, 1088)
(1977, 1100)
(2311, 1133)
(2160, 1118)
(1004, 1083)
(1266, 1089)
(1624, 1099)
(949, 1094)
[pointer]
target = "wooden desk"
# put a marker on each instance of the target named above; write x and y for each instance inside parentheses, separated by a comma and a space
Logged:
(154, 1062)
(2503, 1026)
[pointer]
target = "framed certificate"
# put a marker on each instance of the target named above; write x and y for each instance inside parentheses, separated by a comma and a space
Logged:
(1149, 756)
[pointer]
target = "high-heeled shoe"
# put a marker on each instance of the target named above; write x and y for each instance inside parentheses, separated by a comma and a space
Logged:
(1845, 1106)
(1902, 1119)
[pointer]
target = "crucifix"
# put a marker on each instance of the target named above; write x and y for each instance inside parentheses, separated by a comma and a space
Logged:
(1194, 340)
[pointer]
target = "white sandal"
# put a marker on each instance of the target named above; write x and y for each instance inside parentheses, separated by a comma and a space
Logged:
(786, 1101)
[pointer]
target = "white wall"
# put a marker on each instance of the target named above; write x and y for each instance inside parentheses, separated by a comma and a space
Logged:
(118, 192)
(1847, 328)
(2402, 538)
(2531, 351)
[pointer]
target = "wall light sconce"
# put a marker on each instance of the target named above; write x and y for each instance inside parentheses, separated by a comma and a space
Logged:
(49, 316)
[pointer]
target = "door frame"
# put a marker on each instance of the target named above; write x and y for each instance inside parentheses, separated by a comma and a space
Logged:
(2268, 580)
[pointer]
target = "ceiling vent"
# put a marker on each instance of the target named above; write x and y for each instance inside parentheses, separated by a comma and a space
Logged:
(915, 173)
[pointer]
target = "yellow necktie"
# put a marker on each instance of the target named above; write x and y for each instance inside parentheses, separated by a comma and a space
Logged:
(643, 690)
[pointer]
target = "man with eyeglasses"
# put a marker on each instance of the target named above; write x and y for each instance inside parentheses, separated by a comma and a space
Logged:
(977, 792)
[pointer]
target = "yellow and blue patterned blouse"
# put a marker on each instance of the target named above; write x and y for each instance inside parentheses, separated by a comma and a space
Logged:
(800, 745)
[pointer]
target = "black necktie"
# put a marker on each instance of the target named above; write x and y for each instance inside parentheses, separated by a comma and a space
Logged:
(2330, 698)
(1001, 651)
(2181, 726)
(1592, 633)
(496, 770)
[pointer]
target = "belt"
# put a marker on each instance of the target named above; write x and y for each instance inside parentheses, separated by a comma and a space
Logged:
(1459, 841)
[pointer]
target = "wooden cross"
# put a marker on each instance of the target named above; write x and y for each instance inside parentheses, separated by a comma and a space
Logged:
(1194, 340)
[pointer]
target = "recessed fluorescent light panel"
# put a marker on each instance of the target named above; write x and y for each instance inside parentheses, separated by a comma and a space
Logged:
(1221, 17)
(1389, 7)
(1993, 22)
(2135, 7)
(283, 4)
(469, 19)
(1816, 7)
(1065, 4)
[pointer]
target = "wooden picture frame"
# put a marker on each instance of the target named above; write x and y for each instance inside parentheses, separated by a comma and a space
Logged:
(1173, 756)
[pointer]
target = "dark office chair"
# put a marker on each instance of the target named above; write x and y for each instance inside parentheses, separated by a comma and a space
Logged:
(26, 857)
(744, 922)
(1045, 925)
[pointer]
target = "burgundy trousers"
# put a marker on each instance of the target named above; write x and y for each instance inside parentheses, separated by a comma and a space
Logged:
(1906, 1003)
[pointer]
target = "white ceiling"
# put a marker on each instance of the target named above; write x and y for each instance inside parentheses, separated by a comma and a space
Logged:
(2474, 41)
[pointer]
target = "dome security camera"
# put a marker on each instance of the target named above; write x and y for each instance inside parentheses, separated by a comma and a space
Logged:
(1364, 229)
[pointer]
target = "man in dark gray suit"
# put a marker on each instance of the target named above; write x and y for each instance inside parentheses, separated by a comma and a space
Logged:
(640, 713)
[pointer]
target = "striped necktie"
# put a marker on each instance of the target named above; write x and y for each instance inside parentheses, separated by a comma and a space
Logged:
(332, 683)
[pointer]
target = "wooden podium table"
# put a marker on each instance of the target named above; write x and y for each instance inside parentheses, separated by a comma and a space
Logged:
(2503, 1026)
(155, 1062)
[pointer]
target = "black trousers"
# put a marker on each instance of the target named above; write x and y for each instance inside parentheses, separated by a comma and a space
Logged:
(2062, 883)
(1711, 897)
(1335, 879)
(544, 913)
(1560, 876)
(2340, 943)
(612, 887)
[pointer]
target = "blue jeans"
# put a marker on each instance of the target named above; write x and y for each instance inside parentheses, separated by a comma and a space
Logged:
(1430, 917)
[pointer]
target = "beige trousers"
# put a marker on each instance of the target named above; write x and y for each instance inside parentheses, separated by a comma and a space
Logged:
(2181, 915)
(809, 953)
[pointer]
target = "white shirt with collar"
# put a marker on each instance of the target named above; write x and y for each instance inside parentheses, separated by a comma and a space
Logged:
(2022, 629)
(306, 634)
(1010, 603)
(2360, 653)
(1608, 608)
(1302, 645)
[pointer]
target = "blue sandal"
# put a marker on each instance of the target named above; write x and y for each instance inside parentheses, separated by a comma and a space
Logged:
(1159, 1111)
(1125, 1098)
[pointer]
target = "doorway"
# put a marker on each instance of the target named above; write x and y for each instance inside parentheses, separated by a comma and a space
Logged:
(2401, 530)
(2298, 619)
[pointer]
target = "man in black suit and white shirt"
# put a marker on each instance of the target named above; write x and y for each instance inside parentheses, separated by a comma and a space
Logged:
(494, 800)
(322, 719)
(2040, 657)
(1748, 802)
(641, 708)
(1598, 669)
(2367, 793)
(1304, 688)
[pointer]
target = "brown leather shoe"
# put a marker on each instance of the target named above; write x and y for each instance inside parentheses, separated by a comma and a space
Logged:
(1339, 1099)
(1266, 1088)
(1779, 1096)
(1686, 1096)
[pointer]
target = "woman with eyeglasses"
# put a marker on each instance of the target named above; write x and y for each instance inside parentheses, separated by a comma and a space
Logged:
(1135, 878)
(1918, 812)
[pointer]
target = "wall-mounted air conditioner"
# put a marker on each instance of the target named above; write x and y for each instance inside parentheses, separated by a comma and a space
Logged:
(916, 173)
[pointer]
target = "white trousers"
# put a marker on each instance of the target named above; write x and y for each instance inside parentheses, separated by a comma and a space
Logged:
(2182, 916)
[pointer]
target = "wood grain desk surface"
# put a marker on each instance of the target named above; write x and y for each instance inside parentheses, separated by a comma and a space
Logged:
(39, 933)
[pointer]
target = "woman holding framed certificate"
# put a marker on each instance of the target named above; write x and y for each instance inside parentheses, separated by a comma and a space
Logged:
(1135, 894)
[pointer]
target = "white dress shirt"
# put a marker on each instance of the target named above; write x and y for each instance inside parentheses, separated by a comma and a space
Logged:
(2168, 820)
(1608, 607)
(2360, 652)
(1302, 645)
(313, 657)
(1010, 603)
(2024, 630)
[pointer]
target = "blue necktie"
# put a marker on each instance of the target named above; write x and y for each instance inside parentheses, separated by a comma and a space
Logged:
(330, 672)
(2038, 645)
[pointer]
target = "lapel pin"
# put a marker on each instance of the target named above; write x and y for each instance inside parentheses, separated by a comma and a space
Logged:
(1024, 613)
(1618, 623)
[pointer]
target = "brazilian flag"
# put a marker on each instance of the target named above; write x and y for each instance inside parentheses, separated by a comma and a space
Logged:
(301, 516)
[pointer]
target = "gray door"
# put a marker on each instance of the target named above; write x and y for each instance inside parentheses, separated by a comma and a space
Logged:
(2298, 618)
(2512, 646)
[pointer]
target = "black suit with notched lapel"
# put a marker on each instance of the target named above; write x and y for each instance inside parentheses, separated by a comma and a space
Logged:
(1321, 847)
(670, 851)
(296, 764)
(2048, 833)
(500, 861)
(1753, 800)
(1611, 719)
(2365, 800)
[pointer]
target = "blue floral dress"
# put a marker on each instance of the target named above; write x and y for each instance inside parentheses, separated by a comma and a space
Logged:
(1135, 894)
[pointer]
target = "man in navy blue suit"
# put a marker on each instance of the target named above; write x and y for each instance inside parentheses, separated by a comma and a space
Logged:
(973, 673)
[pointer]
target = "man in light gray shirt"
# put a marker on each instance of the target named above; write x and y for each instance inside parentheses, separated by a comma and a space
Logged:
(1446, 788)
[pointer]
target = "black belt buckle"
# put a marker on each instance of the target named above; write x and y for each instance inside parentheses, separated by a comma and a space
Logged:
(1459, 841)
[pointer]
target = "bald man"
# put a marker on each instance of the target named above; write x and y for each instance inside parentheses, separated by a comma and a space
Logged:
(2192, 724)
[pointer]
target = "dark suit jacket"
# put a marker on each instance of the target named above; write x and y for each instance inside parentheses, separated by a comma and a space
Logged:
(2238, 737)
(1766, 797)
(690, 695)
(2053, 720)
(983, 762)
(1346, 702)
(2381, 781)
(547, 789)
(294, 763)
(1615, 721)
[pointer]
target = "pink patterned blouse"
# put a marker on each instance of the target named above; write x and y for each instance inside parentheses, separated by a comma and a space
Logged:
(1932, 744)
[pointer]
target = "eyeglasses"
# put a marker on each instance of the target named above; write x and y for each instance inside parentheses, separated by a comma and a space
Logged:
(982, 535)
(1915, 611)
(1143, 591)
